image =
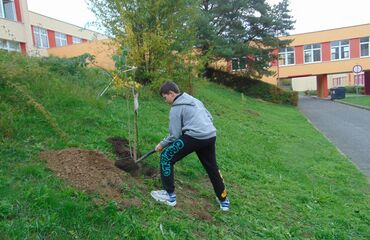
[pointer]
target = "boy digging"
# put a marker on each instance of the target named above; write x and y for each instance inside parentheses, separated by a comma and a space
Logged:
(191, 130)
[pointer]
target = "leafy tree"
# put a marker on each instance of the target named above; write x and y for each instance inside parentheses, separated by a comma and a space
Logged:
(240, 28)
(158, 34)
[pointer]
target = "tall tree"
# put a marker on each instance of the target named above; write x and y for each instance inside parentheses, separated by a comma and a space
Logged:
(240, 28)
(157, 33)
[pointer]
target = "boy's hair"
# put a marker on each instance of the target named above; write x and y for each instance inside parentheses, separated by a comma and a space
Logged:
(167, 87)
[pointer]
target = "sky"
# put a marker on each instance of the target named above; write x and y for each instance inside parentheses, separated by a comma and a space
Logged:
(316, 15)
(72, 11)
(310, 16)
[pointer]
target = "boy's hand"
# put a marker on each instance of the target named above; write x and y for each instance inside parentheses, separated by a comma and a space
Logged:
(159, 148)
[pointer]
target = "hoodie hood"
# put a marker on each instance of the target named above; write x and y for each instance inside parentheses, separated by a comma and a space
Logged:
(184, 99)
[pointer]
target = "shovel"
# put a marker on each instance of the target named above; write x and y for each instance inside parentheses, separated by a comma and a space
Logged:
(145, 156)
(131, 165)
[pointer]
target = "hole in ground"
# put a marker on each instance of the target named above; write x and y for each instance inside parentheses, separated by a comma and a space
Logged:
(124, 160)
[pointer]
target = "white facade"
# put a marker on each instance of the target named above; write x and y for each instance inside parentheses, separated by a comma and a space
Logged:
(304, 83)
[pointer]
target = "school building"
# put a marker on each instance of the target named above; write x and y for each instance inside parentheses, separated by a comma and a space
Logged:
(313, 61)
(325, 59)
(31, 33)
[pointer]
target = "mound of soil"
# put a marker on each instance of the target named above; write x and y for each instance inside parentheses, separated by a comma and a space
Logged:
(89, 171)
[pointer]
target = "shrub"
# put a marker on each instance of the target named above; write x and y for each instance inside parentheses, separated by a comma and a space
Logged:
(310, 93)
(64, 66)
(352, 89)
(253, 88)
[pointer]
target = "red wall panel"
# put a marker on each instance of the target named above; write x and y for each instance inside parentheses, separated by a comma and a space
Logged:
(18, 10)
(51, 36)
(367, 82)
(33, 36)
(326, 51)
(69, 40)
(23, 48)
(298, 54)
(275, 53)
(354, 47)
(229, 66)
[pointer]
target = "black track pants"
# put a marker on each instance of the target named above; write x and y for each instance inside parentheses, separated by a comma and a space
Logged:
(206, 152)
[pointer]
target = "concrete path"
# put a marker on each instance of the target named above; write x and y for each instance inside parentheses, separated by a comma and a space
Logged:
(346, 126)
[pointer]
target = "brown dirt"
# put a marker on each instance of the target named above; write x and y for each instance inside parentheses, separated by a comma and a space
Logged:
(124, 160)
(89, 171)
(188, 201)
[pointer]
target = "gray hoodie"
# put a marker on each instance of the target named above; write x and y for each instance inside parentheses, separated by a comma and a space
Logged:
(189, 116)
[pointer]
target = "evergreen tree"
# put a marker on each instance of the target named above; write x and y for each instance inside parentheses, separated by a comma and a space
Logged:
(243, 29)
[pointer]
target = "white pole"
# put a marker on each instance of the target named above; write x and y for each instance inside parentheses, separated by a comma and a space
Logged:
(357, 82)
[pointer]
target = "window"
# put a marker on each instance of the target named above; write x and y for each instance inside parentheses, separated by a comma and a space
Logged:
(312, 53)
(7, 9)
(359, 79)
(339, 81)
(340, 50)
(60, 39)
(286, 56)
(41, 37)
(10, 46)
(76, 40)
(364, 45)
(239, 64)
(2, 14)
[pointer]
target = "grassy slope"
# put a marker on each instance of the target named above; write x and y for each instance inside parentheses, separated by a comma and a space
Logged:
(285, 179)
(362, 100)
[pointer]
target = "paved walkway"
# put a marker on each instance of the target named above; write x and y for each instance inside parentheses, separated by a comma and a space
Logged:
(346, 126)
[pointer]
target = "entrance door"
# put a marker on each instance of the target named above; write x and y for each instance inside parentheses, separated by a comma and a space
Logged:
(367, 82)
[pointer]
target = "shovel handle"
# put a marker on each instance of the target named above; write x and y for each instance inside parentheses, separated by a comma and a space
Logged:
(145, 156)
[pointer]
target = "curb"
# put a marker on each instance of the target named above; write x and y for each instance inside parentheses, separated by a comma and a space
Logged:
(342, 102)
(353, 105)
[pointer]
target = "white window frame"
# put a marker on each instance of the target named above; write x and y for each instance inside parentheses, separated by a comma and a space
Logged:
(76, 40)
(41, 37)
(60, 39)
(341, 45)
(7, 46)
(359, 79)
(2, 13)
(339, 81)
(363, 44)
(2, 10)
(239, 63)
(310, 51)
(284, 54)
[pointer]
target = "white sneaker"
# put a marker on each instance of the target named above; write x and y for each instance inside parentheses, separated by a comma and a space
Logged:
(224, 205)
(164, 197)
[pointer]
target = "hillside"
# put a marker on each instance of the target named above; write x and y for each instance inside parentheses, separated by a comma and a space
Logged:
(286, 181)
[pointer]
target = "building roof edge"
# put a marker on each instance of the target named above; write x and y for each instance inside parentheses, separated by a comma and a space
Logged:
(67, 23)
(325, 30)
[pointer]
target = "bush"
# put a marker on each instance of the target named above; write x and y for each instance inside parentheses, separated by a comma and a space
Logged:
(310, 93)
(253, 88)
(352, 89)
(65, 66)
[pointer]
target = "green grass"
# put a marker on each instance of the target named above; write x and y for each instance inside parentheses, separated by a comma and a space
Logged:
(358, 100)
(286, 181)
